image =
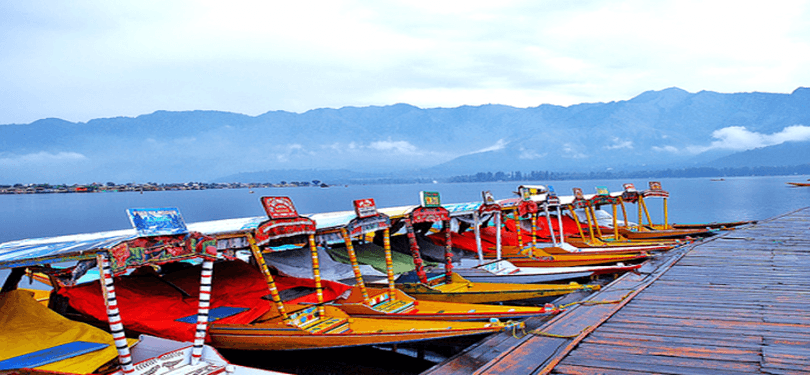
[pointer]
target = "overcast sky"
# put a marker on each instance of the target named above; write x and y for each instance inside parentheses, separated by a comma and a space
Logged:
(79, 60)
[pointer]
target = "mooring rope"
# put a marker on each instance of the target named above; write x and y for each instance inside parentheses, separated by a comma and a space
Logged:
(585, 303)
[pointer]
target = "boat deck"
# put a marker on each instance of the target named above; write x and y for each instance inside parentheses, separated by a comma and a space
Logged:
(738, 303)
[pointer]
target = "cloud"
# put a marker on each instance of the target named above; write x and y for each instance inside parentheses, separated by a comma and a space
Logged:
(738, 138)
(572, 153)
(530, 154)
(91, 59)
(499, 145)
(672, 149)
(401, 147)
(619, 144)
(42, 158)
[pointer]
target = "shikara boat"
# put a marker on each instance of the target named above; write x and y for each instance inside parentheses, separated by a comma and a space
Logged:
(449, 286)
(615, 241)
(500, 270)
(315, 321)
(799, 183)
(37, 338)
(714, 225)
(531, 255)
(486, 242)
(392, 303)
(650, 230)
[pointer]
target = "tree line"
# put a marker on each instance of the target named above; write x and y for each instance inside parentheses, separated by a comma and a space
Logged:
(803, 169)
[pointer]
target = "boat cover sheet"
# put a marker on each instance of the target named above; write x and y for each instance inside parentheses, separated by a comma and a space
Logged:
(370, 254)
(26, 326)
(150, 305)
(298, 263)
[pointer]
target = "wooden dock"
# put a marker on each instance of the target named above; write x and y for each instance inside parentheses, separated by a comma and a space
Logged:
(738, 303)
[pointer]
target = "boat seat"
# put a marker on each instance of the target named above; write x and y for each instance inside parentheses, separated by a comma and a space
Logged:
(50, 355)
(394, 307)
(309, 320)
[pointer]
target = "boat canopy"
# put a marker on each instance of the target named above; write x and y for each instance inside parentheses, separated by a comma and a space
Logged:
(655, 190)
(39, 251)
(284, 222)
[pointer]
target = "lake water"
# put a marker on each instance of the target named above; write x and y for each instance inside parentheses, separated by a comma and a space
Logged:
(691, 200)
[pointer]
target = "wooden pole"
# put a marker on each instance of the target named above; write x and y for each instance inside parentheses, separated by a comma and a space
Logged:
(590, 223)
(389, 263)
(576, 219)
(316, 273)
(534, 231)
(477, 230)
(271, 284)
(560, 224)
(202, 310)
(358, 277)
(550, 228)
(498, 245)
(646, 211)
(113, 315)
(615, 223)
(519, 235)
(417, 258)
(592, 211)
(448, 252)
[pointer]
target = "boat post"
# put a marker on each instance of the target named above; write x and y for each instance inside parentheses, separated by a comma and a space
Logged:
(355, 265)
(490, 206)
(615, 223)
(389, 262)
(366, 211)
(417, 258)
(579, 200)
(548, 222)
(498, 245)
(552, 198)
(519, 235)
(576, 220)
(477, 231)
(448, 251)
(316, 273)
(534, 231)
(113, 315)
(204, 301)
(271, 284)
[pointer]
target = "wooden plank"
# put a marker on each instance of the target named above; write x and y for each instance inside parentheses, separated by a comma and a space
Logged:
(605, 335)
(732, 304)
(584, 370)
(715, 353)
(682, 331)
(662, 364)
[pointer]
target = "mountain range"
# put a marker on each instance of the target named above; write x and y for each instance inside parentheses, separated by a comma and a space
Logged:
(670, 128)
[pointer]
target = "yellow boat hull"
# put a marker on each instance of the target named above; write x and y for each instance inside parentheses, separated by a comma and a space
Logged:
(463, 291)
(651, 234)
(408, 307)
(541, 258)
(336, 330)
(623, 244)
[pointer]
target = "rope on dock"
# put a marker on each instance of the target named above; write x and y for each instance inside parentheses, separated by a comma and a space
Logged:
(591, 303)
(541, 333)
(522, 330)
(585, 303)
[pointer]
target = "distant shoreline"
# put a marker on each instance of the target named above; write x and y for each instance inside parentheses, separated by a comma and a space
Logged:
(114, 188)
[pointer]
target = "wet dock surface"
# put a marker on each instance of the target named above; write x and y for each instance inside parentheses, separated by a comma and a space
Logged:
(738, 303)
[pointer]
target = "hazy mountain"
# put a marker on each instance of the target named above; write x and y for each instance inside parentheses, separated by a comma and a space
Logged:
(788, 153)
(668, 129)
